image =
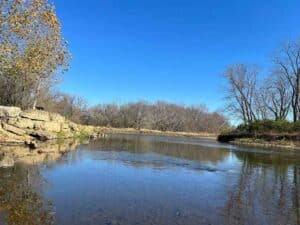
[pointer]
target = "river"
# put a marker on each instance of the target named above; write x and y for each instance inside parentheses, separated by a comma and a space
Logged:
(152, 180)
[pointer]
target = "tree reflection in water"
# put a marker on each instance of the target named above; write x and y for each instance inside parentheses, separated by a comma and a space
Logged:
(249, 188)
(266, 192)
(21, 197)
(21, 200)
(166, 147)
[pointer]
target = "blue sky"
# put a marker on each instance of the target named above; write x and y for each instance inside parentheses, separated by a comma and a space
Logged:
(172, 50)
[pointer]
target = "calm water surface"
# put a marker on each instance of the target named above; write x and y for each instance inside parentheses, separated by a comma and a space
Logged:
(147, 180)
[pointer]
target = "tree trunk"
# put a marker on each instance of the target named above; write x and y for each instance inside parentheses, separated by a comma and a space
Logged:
(297, 96)
(37, 93)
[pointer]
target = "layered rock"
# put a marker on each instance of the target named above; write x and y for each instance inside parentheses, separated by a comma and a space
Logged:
(11, 112)
(36, 115)
(23, 126)
(13, 129)
(23, 135)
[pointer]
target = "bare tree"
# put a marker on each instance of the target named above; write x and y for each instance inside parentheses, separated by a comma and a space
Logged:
(241, 91)
(275, 96)
(287, 63)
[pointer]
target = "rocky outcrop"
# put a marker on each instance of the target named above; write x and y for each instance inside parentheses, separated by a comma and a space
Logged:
(11, 112)
(43, 135)
(36, 115)
(13, 129)
(30, 136)
(17, 126)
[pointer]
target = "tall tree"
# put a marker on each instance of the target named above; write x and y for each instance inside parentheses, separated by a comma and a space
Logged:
(287, 63)
(32, 48)
(241, 91)
(275, 97)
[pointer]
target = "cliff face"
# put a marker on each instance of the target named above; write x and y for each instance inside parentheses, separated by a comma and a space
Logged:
(17, 126)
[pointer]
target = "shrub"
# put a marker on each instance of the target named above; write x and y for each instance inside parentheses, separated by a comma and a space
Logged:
(263, 126)
(296, 126)
(283, 126)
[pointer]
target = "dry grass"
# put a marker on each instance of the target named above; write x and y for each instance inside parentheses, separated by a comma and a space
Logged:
(284, 144)
(157, 132)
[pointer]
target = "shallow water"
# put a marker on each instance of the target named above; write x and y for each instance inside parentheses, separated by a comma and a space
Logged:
(147, 180)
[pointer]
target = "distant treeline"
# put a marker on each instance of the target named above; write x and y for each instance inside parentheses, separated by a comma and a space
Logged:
(157, 116)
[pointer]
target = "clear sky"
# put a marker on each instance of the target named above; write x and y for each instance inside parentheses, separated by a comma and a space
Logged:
(173, 50)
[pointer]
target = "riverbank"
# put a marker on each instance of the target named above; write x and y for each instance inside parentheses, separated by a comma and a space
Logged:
(108, 130)
(32, 127)
(266, 140)
(252, 142)
(33, 136)
(18, 127)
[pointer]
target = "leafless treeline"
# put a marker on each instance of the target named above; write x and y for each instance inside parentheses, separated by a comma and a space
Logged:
(158, 116)
(251, 98)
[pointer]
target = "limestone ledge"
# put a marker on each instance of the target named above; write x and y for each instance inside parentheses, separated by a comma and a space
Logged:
(28, 126)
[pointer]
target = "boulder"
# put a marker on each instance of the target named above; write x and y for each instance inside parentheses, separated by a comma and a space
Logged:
(13, 129)
(65, 127)
(31, 144)
(11, 120)
(42, 135)
(73, 126)
(9, 112)
(24, 123)
(57, 118)
(51, 126)
(6, 136)
(37, 115)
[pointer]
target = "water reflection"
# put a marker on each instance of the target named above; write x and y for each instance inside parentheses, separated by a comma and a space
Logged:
(128, 179)
(169, 146)
(21, 187)
(44, 153)
(21, 201)
(266, 191)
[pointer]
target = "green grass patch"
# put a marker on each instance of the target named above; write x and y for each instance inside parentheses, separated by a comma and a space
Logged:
(61, 135)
